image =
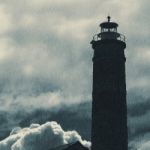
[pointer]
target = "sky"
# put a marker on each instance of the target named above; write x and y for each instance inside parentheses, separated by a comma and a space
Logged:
(46, 63)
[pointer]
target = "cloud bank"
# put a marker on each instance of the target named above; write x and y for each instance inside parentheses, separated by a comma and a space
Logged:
(39, 137)
(45, 49)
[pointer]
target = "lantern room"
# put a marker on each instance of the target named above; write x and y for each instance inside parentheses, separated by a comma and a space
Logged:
(108, 32)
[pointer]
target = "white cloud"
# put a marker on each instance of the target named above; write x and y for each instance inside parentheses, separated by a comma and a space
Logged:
(6, 51)
(39, 137)
(5, 19)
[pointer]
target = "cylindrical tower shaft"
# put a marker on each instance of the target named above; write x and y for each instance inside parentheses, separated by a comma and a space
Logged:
(109, 109)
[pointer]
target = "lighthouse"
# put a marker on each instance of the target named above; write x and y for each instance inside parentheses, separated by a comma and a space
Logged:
(109, 108)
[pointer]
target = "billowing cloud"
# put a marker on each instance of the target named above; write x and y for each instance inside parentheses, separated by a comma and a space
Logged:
(39, 137)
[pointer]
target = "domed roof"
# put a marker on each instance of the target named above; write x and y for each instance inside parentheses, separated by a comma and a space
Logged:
(108, 24)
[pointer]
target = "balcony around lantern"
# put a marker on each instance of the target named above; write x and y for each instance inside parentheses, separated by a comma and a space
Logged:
(108, 36)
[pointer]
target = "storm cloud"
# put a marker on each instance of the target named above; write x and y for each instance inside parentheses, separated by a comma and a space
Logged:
(81, 120)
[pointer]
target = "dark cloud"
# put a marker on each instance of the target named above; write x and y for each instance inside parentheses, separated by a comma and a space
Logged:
(140, 108)
(74, 117)
(78, 117)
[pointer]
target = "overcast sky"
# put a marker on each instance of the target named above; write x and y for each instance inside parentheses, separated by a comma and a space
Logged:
(46, 56)
(45, 50)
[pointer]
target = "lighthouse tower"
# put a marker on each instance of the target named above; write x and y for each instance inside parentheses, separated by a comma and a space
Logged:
(109, 108)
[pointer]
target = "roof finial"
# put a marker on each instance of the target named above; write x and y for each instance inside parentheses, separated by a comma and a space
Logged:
(108, 18)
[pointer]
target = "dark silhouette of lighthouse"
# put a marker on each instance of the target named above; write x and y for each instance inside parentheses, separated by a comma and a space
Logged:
(109, 108)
